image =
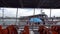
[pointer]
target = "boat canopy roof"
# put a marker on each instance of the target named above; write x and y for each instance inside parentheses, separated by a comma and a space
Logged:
(30, 3)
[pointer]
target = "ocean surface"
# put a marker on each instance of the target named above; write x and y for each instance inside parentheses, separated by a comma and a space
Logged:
(8, 21)
(13, 21)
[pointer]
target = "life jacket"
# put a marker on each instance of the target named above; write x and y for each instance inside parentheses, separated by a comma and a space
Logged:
(47, 31)
(0, 29)
(4, 31)
(41, 29)
(54, 30)
(26, 29)
(12, 30)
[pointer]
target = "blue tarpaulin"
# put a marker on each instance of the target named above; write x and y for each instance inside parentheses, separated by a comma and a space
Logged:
(36, 20)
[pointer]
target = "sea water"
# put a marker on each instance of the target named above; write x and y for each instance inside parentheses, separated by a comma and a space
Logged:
(8, 21)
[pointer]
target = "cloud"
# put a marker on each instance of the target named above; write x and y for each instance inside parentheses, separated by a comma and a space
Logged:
(56, 12)
(25, 12)
(11, 12)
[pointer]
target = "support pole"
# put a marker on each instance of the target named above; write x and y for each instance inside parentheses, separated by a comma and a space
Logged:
(16, 15)
(41, 10)
(33, 19)
(34, 12)
(50, 13)
(3, 16)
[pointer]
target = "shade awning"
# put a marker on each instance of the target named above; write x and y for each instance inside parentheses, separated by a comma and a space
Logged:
(30, 3)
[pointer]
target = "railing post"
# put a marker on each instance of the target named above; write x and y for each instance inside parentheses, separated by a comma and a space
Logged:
(16, 16)
(50, 13)
(3, 16)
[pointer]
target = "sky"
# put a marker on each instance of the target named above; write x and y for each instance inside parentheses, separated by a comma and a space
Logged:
(11, 12)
